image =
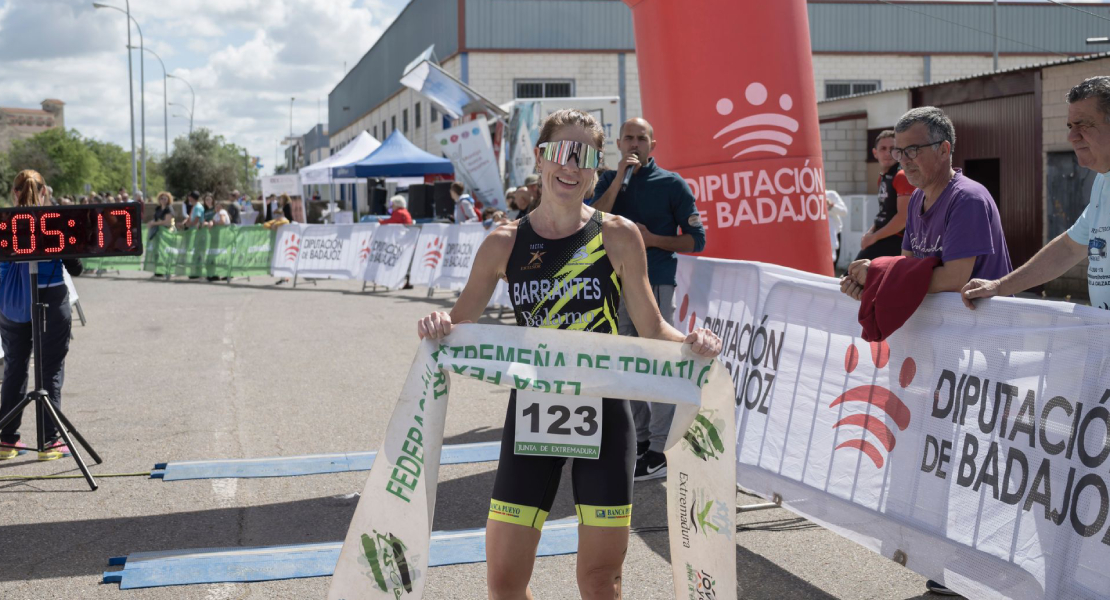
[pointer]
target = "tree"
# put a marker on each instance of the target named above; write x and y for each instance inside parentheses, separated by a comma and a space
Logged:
(7, 178)
(115, 166)
(61, 156)
(206, 163)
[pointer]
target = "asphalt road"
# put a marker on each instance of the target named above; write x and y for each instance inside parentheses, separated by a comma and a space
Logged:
(190, 370)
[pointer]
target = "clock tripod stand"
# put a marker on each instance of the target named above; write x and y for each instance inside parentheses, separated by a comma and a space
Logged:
(43, 408)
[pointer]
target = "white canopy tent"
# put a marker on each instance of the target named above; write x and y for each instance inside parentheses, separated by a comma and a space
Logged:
(319, 173)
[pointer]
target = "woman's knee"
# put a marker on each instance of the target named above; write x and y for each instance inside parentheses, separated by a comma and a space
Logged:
(598, 582)
(506, 583)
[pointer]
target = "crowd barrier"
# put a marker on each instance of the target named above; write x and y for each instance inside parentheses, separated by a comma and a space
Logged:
(970, 446)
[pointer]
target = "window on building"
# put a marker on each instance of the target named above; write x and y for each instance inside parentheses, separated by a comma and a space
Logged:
(384, 130)
(434, 115)
(531, 88)
(393, 123)
(839, 89)
(405, 120)
(375, 132)
(416, 115)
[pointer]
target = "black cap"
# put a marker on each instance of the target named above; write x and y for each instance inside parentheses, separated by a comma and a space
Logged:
(195, 195)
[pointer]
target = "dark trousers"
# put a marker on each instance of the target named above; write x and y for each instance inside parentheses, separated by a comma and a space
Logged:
(16, 338)
(888, 246)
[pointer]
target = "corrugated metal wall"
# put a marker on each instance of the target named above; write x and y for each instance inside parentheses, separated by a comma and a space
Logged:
(549, 25)
(1006, 129)
(377, 75)
(875, 27)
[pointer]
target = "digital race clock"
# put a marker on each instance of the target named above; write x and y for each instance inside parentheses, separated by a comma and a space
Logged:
(50, 232)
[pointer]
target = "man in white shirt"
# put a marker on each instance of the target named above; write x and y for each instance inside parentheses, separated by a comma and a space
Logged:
(1089, 135)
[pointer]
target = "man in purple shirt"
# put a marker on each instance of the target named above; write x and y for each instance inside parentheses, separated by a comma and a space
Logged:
(950, 216)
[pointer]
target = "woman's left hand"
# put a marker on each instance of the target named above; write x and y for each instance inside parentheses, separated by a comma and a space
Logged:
(704, 342)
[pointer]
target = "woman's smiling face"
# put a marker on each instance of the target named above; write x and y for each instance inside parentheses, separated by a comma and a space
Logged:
(567, 183)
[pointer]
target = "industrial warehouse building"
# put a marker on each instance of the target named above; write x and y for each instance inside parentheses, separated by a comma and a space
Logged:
(508, 49)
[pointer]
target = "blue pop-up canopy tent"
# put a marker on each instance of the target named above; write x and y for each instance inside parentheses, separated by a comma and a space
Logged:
(397, 157)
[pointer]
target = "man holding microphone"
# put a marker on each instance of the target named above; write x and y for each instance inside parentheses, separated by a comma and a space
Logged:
(660, 203)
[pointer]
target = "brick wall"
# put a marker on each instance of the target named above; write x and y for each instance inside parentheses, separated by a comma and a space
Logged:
(843, 147)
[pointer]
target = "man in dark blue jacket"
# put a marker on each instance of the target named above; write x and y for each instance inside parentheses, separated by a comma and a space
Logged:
(660, 203)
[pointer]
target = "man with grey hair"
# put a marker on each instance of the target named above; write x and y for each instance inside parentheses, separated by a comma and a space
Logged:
(949, 216)
(1089, 134)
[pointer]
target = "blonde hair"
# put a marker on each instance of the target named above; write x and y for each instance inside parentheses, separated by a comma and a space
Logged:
(164, 195)
(29, 188)
(284, 199)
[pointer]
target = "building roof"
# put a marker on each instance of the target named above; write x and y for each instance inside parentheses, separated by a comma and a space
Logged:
(53, 101)
(26, 111)
(836, 26)
(1037, 66)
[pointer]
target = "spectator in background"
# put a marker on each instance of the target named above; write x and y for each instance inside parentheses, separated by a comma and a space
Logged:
(949, 216)
(163, 219)
(884, 238)
(464, 204)
(215, 215)
(493, 218)
(660, 203)
(138, 197)
(232, 208)
(29, 189)
(194, 211)
(532, 186)
(836, 210)
(286, 207)
(1089, 135)
(398, 213)
(272, 208)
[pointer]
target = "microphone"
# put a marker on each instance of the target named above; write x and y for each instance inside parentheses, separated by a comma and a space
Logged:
(627, 178)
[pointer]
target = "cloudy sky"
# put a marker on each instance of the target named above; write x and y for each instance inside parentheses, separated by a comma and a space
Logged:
(244, 58)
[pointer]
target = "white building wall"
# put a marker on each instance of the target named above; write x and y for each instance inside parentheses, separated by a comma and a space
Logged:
(494, 73)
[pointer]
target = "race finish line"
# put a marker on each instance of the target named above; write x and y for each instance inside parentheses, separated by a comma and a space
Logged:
(386, 552)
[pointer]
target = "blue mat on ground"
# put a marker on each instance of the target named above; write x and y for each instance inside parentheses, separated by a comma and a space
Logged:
(312, 464)
(238, 565)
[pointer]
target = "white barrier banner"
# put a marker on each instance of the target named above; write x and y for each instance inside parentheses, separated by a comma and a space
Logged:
(970, 446)
(385, 554)
(459, 249)
(286, 250)
(391, 251)
(428, 258)
(334, 251)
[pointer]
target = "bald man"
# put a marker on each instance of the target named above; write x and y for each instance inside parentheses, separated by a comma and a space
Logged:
(660, 203)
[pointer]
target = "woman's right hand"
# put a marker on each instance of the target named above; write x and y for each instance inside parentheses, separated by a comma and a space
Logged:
(435, 326)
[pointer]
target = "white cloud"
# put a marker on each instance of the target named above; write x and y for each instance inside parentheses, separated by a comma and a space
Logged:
(244, 58)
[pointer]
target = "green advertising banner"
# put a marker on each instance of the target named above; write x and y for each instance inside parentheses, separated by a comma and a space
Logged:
(215, 252)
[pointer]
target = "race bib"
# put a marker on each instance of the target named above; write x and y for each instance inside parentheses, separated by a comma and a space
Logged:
(557, 425)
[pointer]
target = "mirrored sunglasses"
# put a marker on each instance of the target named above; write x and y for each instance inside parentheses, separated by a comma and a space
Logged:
(587, 156)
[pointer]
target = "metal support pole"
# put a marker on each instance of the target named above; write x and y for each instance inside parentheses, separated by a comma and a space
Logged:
(995, 9)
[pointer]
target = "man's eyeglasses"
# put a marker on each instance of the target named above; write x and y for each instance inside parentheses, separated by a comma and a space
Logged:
(910, 152)
(587, 156)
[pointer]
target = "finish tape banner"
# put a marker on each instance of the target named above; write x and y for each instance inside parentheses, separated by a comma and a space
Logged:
(391, 251)
(970, 446)
(385, 554)
(748, 146)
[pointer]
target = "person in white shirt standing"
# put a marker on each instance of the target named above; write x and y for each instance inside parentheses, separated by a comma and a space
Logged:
(1089, 135)
(464, 205)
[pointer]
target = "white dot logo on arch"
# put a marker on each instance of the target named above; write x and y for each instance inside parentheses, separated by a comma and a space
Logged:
(759, 128)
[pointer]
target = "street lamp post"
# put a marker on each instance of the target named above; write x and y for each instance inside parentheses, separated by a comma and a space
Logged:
(193, 104)
(165, 101)
(184, 108)
(130, 86)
